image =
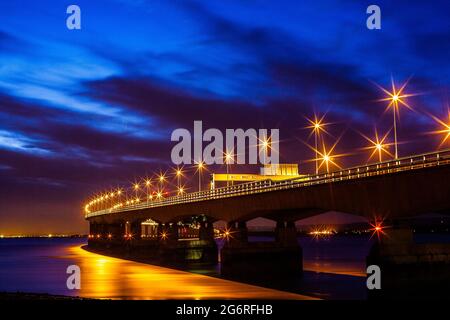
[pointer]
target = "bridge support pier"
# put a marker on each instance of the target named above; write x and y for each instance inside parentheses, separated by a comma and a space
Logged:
(136, 230)
(206, 231)
(96, 234)
(286, 233)
(410, 269)
(281, 258)
(116, 231)
(203, 250)
(237, 234)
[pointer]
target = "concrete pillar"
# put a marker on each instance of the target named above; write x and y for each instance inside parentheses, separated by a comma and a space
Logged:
(257, 260)
(286, 233)
(92, 228)
(92, 232)
(127, 228)
(409, 269)
(173, 232)
(168, 232)
(237, 234)
(136, 230)
(116, 231)
(206, 231)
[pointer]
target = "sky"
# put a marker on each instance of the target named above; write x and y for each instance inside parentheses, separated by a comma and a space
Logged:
(83, 111)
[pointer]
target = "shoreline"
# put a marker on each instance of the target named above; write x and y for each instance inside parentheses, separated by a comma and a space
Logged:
(19, 295)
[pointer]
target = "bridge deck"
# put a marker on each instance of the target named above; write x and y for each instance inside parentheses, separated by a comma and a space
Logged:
(383, 168)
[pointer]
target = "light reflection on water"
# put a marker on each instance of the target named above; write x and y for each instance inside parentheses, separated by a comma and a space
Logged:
(116, 278)
(43, 269)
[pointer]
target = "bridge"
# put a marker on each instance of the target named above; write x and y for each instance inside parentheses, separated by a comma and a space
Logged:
(403, 187)
(394, 189)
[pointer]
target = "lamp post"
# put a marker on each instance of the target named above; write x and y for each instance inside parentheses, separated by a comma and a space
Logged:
(148, 184)
(228, 158)
(179, 173)
(396, 97)
(200, 167)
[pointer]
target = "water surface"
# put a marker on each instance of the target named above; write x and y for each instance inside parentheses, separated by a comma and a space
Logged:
(39, 266)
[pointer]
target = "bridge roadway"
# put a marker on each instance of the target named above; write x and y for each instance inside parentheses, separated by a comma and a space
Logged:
(394, 189)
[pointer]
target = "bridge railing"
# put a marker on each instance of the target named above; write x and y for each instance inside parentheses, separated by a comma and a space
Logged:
(387, 167)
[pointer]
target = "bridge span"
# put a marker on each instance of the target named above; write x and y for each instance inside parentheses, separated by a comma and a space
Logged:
(397, 188)
(393, 189)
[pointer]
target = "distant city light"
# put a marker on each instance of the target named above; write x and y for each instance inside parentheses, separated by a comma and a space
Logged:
(321, 232)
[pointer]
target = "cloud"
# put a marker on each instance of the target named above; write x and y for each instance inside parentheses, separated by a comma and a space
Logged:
(87, 112)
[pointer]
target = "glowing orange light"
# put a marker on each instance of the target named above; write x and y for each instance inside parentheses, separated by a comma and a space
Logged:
(227, 234)
(265, 144)
(396, 98)
(445, 128)
(228, 157)
(326, 157)
(377, 229)
(378, 145)
(316, 233)
(317, 124)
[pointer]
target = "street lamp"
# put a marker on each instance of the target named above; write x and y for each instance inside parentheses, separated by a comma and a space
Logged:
(317, 125)
(148, 184)
(200, 167)
(228, 158)
(161, 179)
(327, 157)
(396, 98)
(136, 188)
(378, 145)
(265, 145)
(178, 174)
(445, 128)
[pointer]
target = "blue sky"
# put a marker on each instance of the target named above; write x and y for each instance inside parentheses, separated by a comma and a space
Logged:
(82, 110)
